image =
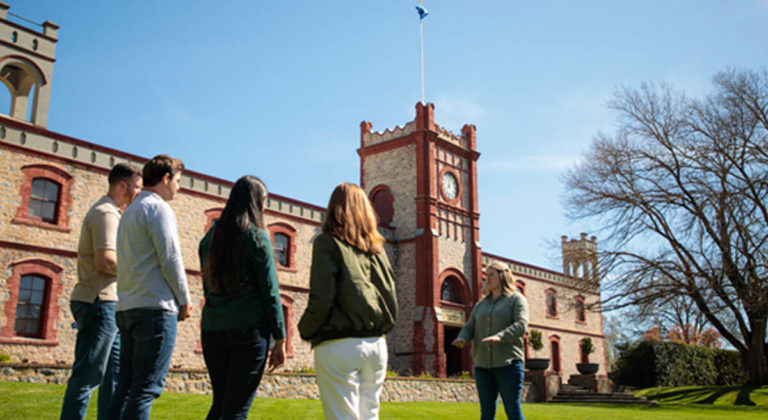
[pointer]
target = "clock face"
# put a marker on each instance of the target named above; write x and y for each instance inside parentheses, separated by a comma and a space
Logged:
(450, 186)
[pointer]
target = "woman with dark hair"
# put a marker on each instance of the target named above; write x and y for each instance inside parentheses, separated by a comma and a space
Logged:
(496, 327)
(242, 301)
(352, 304)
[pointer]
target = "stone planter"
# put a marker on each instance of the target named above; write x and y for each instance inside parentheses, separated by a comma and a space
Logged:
(587, 368)
(536, 364)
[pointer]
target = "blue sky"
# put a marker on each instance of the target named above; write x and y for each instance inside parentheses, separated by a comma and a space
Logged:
(279, 88)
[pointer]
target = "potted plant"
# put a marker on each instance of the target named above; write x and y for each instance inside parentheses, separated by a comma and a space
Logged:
(586, 368)
(534, 340)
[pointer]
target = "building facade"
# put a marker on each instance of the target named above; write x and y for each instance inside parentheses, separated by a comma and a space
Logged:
(421, 178)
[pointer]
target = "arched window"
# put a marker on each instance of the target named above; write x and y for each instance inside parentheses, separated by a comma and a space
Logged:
(211, 215)
(551, 303)
(32, 304)
(382, 201)
(44, 197)
(581, 313)
(449, 292)
(284, 245)
(23, 78)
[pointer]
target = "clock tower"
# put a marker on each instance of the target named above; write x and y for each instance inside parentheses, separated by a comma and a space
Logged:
(422, 180)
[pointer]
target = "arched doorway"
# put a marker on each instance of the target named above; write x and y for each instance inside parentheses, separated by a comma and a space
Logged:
(453, 297)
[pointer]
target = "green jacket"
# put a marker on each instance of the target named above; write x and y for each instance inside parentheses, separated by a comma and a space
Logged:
(351, 293)
(506, 317)
(257, 302)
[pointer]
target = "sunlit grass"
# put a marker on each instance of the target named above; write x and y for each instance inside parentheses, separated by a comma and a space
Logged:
(25, 401)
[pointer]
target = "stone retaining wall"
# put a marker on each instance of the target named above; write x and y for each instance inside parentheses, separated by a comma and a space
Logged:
(283, 385)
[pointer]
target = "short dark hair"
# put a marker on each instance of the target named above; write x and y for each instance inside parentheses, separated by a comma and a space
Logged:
(123, 172)
(158, 166)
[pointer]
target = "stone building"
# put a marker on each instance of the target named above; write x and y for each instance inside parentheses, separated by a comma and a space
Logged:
(421, 178)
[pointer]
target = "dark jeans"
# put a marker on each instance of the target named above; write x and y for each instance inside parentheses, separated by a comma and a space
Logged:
(507, 381)
(235, 360)
(97, 349)
(147, 337)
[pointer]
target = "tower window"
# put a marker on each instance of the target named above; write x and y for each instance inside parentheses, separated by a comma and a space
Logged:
(449, 292)
(382, 201)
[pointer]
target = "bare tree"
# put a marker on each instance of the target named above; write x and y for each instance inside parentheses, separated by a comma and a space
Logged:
(681, 189)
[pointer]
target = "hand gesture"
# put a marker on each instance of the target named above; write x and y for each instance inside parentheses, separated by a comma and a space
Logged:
(460, 343)
(491, 339)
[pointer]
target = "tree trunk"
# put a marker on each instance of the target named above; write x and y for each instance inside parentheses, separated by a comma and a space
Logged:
(756, 361)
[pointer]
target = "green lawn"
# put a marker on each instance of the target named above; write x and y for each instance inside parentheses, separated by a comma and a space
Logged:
(33, 401)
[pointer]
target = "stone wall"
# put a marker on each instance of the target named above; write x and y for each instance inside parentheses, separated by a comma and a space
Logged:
(285, 385)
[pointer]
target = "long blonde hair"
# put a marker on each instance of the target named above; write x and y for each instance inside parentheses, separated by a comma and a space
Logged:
(351, 218)
(505, 277)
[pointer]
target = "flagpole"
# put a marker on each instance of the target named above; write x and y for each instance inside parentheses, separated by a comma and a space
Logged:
(421, 55)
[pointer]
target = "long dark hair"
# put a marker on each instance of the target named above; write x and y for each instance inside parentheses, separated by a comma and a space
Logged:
(226, 249)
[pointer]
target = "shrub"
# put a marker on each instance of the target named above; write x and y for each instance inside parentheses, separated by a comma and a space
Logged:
(654, 363)
(586, 346)
(534, 339)
(4, 357)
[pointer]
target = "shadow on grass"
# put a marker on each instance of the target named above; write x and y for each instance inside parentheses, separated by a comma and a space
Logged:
(705, 395)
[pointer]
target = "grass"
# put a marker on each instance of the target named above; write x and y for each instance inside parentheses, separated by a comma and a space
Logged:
(37, 401)
(718, 396)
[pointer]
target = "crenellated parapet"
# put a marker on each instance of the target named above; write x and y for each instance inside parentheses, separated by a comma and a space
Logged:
(369, 138)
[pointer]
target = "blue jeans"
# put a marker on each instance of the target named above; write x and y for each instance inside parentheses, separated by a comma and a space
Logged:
(507, 381)
(235, 359)
(97, 349)
(147, 337)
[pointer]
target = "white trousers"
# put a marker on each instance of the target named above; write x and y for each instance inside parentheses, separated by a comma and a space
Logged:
(350, 373)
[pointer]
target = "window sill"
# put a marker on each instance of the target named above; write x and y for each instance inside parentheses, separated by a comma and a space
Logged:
(28, 341)
(287, 269)
(29, 221)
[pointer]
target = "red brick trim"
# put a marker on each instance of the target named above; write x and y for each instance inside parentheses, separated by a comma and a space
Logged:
(30, 31)
(211, 215)
(521, 285)
(287, 303)
(199, 346)
(292, 288)
(57, 175)
(290, 232)
(36, 248)
(461, 285)
(50, 312)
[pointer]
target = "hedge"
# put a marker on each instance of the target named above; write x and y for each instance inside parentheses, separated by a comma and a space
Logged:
(655, 363)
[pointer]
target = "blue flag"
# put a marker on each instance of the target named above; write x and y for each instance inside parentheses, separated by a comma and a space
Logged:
(423, 12)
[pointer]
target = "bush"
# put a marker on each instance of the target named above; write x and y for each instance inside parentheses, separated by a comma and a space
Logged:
(654, 363)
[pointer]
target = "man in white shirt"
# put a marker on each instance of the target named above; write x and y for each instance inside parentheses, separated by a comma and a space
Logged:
(152, 290)
(93, 299)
